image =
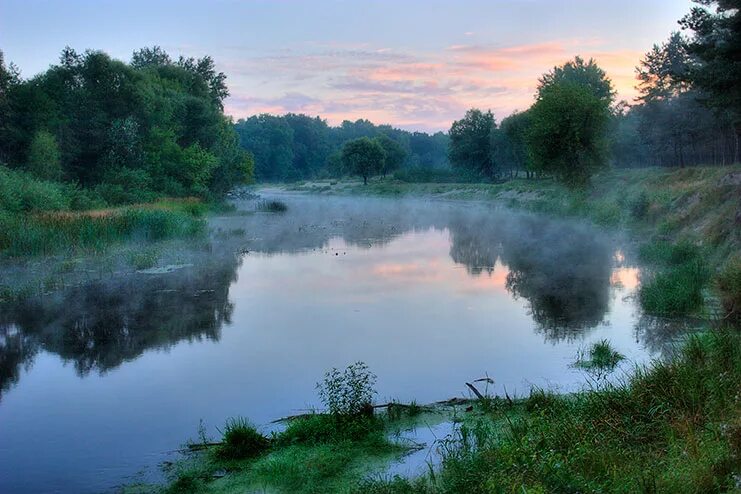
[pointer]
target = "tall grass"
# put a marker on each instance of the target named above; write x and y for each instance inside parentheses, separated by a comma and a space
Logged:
(672, 427)
(676, 287)
(48, 233)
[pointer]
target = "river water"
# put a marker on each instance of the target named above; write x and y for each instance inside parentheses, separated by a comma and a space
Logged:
(100, 382)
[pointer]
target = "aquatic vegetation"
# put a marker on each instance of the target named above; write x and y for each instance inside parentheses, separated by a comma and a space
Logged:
(672, 427)
(348, 392)
(241, 440)
(676, 288)
(601, 358)
(272, 206)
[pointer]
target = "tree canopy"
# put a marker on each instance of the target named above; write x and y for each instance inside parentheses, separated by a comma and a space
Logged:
(364, 157)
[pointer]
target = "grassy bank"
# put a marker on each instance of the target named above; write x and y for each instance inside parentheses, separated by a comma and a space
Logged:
(674, 426)
(43, 218)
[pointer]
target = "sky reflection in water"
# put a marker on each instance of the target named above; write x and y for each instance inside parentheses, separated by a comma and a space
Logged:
(100, 381)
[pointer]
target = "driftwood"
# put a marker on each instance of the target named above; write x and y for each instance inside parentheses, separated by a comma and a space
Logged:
(475, 391)
(201, 446)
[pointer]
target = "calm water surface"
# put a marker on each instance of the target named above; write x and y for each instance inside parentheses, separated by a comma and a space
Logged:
(100, 383)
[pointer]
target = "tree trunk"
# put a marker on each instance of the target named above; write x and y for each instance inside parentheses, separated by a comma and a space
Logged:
(365, 180)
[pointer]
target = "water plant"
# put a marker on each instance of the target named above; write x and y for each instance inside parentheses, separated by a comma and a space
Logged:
(272, 206)
(241, 440)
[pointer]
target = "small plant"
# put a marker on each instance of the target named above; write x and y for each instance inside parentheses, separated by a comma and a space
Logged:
(272, 206)
(242, 440)
(602, 358)
(348, 392)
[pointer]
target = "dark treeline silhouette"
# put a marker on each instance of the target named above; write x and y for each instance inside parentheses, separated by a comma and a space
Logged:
(293, 147)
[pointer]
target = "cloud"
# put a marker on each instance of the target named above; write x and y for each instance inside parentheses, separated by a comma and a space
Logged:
(423, 90)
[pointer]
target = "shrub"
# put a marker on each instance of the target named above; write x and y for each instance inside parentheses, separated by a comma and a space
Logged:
(242, 440)
(348, 392)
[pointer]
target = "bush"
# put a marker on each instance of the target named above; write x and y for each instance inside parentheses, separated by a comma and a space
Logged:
(348, 392)
(242, 440)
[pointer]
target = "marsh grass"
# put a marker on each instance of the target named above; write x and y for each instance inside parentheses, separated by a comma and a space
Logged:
(241, 440)
(600, 359)
(48, 233)
(272, 206)
(672, 427)
(676, 286)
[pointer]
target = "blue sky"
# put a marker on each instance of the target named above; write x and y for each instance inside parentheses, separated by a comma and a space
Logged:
(414, 64)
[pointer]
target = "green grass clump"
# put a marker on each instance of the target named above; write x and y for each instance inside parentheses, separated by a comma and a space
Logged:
(272, 206)
(676, 288)
(143, 259)
(241, 440)
(602, 358)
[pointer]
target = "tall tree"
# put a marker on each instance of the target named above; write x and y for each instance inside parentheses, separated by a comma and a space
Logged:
(567, 133)
(581, 73)
(470, 143)
(363, 157)
(716, 48)
(394, 154)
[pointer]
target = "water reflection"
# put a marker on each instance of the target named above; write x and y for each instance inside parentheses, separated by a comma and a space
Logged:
(430, 295)
(98, 327)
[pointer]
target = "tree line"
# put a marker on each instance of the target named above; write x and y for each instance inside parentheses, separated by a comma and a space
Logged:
(127, 131)
(296, 146)
(688, 111)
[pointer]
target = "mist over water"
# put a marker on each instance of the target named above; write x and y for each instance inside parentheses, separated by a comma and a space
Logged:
(103, 379)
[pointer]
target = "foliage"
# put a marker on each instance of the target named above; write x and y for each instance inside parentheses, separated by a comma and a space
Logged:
(160, 120)
(394, 154)
(470, 143)
(348, 392)
(242, 440)
(363, 157)
(567, 132)
(44, 157)
(577, 72)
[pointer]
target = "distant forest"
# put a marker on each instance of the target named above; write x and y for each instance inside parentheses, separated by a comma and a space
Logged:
(155, 126)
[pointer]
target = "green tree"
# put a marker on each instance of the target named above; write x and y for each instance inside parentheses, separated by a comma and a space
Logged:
(567, 132)
(716, 50)
(579, 72)
(470, 143)
(44, 156)
(363, 157)
(394, 152)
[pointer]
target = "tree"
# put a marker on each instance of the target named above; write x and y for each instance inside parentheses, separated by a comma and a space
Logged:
(470, 145)
(270, 140)
(716, 50)
(568, 125)
(662, 71)
(364, 157)
(578, 72)
(44, 156)
(394, 154)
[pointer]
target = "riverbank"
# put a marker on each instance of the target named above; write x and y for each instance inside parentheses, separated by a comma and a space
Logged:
(663, 209)
(670, 427)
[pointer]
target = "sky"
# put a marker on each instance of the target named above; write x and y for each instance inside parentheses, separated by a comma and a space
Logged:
(415, 64)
